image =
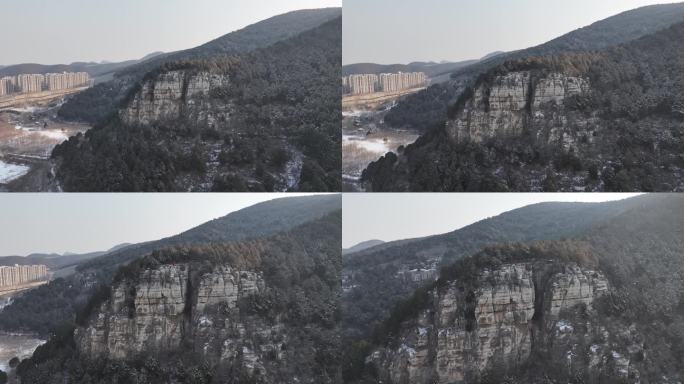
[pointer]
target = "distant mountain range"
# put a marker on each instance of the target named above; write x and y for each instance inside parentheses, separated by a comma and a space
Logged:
(98, 71)
(55, 261)
(361, 246)
(431, 69)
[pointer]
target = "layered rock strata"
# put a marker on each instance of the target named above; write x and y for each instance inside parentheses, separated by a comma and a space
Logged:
(173, 307)
(178, 94)
(493, 323)
(520, 102)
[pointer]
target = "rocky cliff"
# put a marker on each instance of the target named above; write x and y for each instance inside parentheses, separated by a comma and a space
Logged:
(164, 310)
(525, 102)
(177, 95)
(496, 323)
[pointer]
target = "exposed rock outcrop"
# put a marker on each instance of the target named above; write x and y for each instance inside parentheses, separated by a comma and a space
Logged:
(524, 101)
(173, 306)
(498, 321)
(178, 94)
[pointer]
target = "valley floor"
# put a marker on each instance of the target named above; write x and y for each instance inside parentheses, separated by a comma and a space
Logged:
(27, 137)
(365, 139)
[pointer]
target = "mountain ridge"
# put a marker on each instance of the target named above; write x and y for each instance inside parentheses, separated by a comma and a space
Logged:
(375, 278)
(266, 120)
(613, 263)
(425, 109)
(626, 94)
(106, 96)
(43, 309)
(94, 69)
(288, 329)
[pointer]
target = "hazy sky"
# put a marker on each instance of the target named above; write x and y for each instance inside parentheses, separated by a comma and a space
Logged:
(395, 216)
(64, 31)
(401, 31)
(96, 222)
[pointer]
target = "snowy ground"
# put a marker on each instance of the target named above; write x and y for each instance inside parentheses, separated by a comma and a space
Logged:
(21, 346)
(359, 150)
(9, 172)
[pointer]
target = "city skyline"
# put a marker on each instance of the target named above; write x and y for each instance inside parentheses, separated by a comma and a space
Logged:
(400, 216)
(115, 31)
(82, 223)
(462, 29)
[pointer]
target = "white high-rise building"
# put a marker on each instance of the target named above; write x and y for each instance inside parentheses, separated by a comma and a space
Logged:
(31, 83)
(12, 276)
(385, 82)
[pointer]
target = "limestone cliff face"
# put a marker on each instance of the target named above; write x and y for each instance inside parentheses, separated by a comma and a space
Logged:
(524, 101)
(178, 94)
(498, 322)
(174, 307)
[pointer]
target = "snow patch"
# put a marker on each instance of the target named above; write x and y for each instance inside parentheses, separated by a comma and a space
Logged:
(371, 145)
(55, 135)
(9, 172)
(564, 326)
(205, 322)
(407, 349)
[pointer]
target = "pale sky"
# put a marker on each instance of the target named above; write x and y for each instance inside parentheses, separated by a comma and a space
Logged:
(79, 223)
(64, 31)
(396, 216)
(402, 31)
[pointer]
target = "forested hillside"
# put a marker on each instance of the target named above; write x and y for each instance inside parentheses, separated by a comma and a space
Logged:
(377, 278)
(623, 326)
(44, 309)
(425, 109)
(271, 122)
(288, 316)
(96, 104)
(620, 132)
